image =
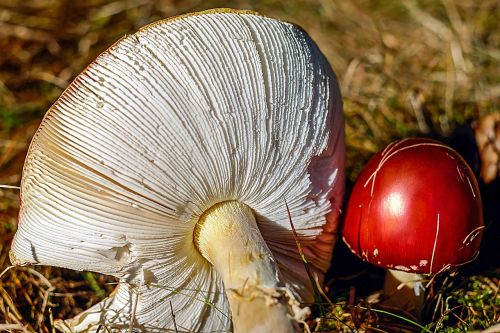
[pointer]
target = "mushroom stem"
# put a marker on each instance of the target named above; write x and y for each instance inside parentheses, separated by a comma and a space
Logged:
(228, 237)
(404, 291)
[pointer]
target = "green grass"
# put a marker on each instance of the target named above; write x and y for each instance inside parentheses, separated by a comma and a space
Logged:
(467, 305)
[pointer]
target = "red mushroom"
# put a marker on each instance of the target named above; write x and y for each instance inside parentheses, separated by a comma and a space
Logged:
(415, 208)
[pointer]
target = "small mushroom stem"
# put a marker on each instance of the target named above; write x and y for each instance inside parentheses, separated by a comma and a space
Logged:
(404, 291)
(228, 237)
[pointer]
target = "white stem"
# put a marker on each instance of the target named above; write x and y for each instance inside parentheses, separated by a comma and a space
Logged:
(228, 237)
(404, 291)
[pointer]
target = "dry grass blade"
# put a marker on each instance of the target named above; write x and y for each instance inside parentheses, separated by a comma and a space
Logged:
(11, 307)
(173, 316)
(317, 294)
(13, 328)
(132, 314)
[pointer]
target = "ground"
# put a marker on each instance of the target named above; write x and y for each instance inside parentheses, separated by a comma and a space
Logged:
(406, 68)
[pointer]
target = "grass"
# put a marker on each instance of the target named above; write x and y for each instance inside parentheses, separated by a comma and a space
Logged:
(466, 304)
(406, 68)
(462, 304)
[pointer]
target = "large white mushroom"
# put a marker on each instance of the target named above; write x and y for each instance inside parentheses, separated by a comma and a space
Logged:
(167, 164)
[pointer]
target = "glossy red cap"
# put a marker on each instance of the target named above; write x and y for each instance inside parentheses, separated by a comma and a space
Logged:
(415, 207)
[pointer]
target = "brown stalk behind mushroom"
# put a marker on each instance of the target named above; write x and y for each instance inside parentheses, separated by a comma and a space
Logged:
(488, 141)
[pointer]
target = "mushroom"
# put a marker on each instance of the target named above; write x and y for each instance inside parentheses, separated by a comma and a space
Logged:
(416, 210)
(167, 163)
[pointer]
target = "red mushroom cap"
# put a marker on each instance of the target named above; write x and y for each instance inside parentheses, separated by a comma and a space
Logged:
(415, 207)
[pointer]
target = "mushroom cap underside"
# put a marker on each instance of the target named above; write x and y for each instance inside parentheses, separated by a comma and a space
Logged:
(168, 122)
